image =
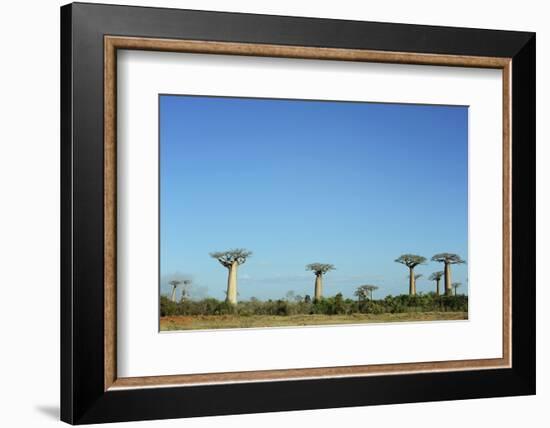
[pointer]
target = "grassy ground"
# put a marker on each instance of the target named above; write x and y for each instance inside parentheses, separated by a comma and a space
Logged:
(234, 321)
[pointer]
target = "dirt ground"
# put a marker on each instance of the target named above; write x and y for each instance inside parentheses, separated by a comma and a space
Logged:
(172, 323)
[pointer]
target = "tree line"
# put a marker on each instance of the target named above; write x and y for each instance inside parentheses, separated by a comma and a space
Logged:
(333, 305)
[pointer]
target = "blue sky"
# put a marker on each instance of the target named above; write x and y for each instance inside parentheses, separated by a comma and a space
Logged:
(296, 182)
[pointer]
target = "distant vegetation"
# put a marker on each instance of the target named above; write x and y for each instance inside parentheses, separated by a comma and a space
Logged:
(334, 305)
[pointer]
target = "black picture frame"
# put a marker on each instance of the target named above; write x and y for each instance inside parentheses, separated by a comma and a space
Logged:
(83, 398)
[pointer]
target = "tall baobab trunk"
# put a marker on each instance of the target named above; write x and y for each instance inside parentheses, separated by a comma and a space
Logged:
(412, 282)
(448, 286)
(174, 292)
(437, 287)
(318, 286)
(232, 284)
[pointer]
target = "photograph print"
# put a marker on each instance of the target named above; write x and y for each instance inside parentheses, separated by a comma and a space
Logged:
(289, 212)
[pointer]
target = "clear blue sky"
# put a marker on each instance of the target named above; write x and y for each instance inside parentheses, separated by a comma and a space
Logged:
(296, 182)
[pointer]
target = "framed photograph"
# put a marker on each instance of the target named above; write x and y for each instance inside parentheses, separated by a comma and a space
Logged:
(265, 213)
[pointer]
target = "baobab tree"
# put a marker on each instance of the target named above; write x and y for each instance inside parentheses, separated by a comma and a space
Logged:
(455, 285)
(174, 283)
(448, 259)
(185, 289)
(364, 292)
(319, 269)
(231, 260)
(436, 276)
(411, 261)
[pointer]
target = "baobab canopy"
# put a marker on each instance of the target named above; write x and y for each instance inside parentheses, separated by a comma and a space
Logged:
(320, 268)
(410, 260)
(449, 258)
(227, 258)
